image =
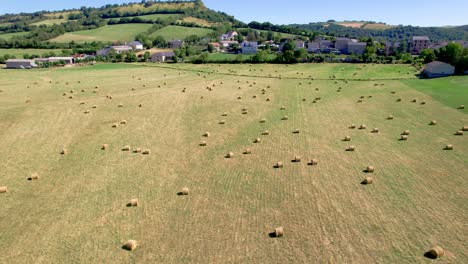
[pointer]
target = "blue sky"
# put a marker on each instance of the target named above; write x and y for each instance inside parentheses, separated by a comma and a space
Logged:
(406, 12)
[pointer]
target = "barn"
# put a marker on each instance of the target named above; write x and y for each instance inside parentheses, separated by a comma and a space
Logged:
(438, 69)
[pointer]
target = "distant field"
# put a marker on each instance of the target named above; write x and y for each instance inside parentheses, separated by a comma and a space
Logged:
(351, 24)
(198, 21)
(77, 211)
(50, 22)
(153, 17)
(110, 33)
(20, 52)
(377, 26)
(179, 32)
(156, 8)
(64, 14)
(8, 36)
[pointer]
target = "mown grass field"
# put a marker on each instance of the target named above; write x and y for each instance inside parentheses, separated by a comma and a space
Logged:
(180, 32)
(18, 53)
(109, 33)
(76, 212)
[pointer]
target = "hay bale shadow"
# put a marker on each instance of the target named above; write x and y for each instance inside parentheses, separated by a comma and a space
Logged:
(129, 205)
(429, 255)
(124, 248)
(181, 194)
(366, 171)
(272, 235)
(29, 179)
(295, 161)
(364, 182)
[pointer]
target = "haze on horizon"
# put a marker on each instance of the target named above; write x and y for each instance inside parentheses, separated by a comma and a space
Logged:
(398, 12)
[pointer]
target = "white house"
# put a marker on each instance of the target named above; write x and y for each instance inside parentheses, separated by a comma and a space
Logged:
(438, 69)
(249, 47)
(231, 35)
(227, 43)
(136, 45)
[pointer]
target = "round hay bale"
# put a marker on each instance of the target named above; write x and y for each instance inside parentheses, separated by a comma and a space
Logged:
(347, 138)
(123, 122)
(459, 133)
(185, 191)
(359, 101)
(257, 140)
(351, 148)
(230, 155)
(115, 125)
(406, 133)
(313, 162)
(297, 159)
(140, 105)
(370, 169)
(296, 131)
(94, 106)
(222, 122)
(130, 245)
(465, 128)
(268, 99)
(263, 120)
(423, 103)
(87, 112)
(64, 151)
(3, 189)
(133, 202)
(449, 147)
(285, 118)
(105, 147)
(404, 137)
(352, 126)
(279, 164)
(303, 99)
(245, 109)
(146, 152)
(279, 232)
(414, 101)
(436, 252)
(266, 133)
(240, 97)
(120, 105)
(69, 97)
(203, 143)
(433, 123)
(126, 148)
(82, 103)
(247, 151)
(283, 108)
(362, 127)
(137, 150)
(390, 117)
(368, 180)
(206, 134)
(375, 130)
(34, 177)
(461, 107)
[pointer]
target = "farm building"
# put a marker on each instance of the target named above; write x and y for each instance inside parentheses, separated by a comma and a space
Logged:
(419, 43)
(438, 69)
(313, 47)
(356, 47)
(65, 60)
(20, 64)
(175, 44)
(162, 56)
(342, 44)
(117, 49)
(136, 45)
(249, 47)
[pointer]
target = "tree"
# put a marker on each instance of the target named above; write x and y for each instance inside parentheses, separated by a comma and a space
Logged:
(260, 57)
(427, 55)
(300, 55)
(451, 53)
(159, 42)
(369, 54)
(210, 48)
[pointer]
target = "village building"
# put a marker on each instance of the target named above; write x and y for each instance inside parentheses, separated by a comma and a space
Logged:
(300, 44)
(249, 47)
(136, 45)
(419, 43)
(227, 43)
(230, 36)
(175, 44)
(391, 47)
(117, 49)
(20, 64)
(162, 56)
(438, 69)
(341, 44)
(356, 47)
(313, 47)
(216, 46)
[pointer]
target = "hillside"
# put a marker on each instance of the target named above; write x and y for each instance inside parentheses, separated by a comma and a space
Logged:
(100, 24)
(381, 31)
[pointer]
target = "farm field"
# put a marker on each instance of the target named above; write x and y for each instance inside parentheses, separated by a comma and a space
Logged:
(180, 32)
(77, 211)
(18, 53)
(50, 22)
(109, 33)
(8, 36)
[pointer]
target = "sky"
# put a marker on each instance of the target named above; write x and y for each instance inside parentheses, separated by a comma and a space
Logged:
(393, 12)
